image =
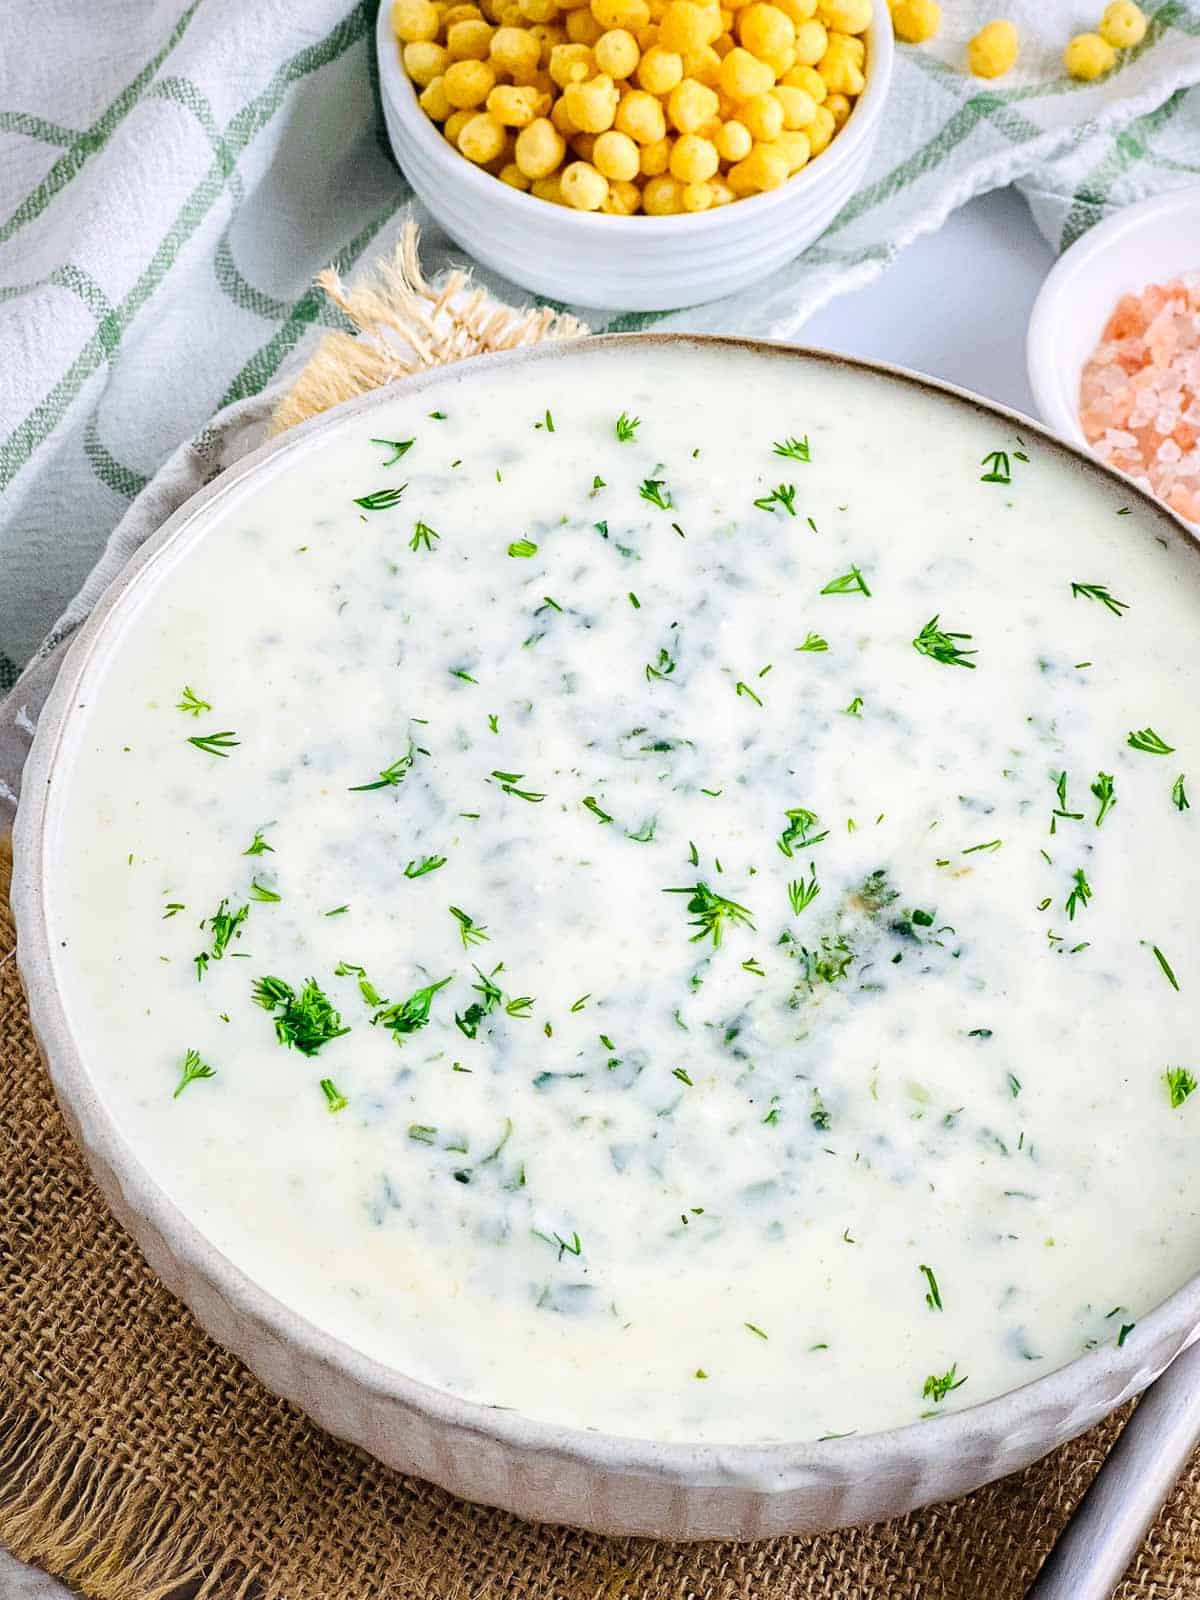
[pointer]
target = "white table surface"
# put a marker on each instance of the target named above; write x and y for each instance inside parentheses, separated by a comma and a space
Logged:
(954, 305)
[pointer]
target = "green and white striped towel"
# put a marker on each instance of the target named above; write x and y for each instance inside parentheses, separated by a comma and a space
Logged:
(171, 178)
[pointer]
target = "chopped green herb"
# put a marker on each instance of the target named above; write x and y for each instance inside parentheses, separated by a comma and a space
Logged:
(426, 864)
(1105, 793)
(1147, 740)
(794, 449)
(1079, 895)
(215, 744)
(851, 582)
(259, 891)
(258, 846)
(756, 1331)
(470, 931)
(814, 642)
(306, 1021)
(796, 832)
(656, 491)
(380, 499)
(939, 645)
(410, 1015)
(173, 908)
(783, 495)
(547, 422)
(1166, 967)
(854, 709)
(523, 548)
(191, 703)
(745, 689)
(597, 810)
(193, 1069)
(508, 782)
(802, 893)
(999, 468)
(1097, 591)
(423, 536)
(681, 1074)
(392, 776)
(627, 427)
(936, 1389)
(934, 1298)
(711, 911)
(1180, 1083)
(335, 1100)
(992, 844)
(1179, 795)
(398, 447)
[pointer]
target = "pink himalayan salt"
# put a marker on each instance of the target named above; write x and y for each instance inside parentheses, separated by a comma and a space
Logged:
(1139, 395)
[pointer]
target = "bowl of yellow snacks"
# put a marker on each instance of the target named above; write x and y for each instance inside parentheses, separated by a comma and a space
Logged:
(637, 155)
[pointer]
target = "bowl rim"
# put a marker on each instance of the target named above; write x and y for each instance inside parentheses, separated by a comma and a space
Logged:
(1051, 306)
(774, 1468)
(397, 90)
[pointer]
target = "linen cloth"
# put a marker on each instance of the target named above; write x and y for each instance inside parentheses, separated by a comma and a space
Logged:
(173, 175)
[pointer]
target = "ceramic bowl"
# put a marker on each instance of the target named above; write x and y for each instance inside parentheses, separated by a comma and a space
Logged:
(539, 1470)
(1147, 243)
(628, 263)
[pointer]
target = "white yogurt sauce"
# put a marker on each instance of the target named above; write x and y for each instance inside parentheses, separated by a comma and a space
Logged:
(887, 1149)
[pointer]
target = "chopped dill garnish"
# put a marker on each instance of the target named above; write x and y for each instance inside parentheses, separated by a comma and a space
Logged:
(802, 893)
(851, 582)
(191, 703)
(391, 776)
(1179, 797)
(1151, 743)
(794, 449)
(258, 846)
(854, 709)
(520, 1007)
(797, 831)
(547, 422)
(423, 537)
(1098, 591)
(1079, 895)
(508, 782)
(656, 491)
(1180, 1083)
(681, 1074)
(193, 1069)
(259, 891)
(936, 1389)
(999, 467)
(783, 494)
(468, 1021)
(215, 744)
(754, 1329)
(408, 1016)
(748, 692)
(595, 808)
(380, 499)
(523, 548)
(939, 645)
(335, 1100)
(627, 427)
(934, 1297)
(753, 966)
(470, 931)
(224, 926)
(1105, 793)
(398, 447)
(172, 909)
(581, 1002)
(711, 911)
(306, 1021)
(1167, 973)
(819, 1116)
(814, 642)
(991, 844)
(664, 668)
(416, 869)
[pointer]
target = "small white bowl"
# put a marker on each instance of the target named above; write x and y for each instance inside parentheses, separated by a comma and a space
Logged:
(1147, 243)
(629, 263)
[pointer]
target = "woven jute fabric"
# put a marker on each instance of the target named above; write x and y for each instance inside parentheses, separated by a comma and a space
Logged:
(138, 1461)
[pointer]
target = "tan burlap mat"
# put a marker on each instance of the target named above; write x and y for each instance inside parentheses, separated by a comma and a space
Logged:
(138, 1461)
